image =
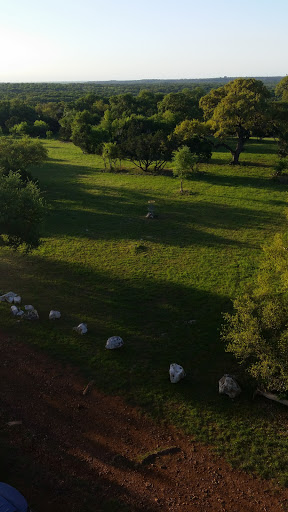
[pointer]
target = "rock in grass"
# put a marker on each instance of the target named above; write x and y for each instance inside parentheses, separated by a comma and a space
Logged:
(16, 311)
(229, 386)
(29, 307)
(32, 314)
(114, 342)
(54, 314)
(9, 297)
(176, 373)
(81, 328)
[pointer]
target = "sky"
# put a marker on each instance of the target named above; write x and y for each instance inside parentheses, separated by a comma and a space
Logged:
(61, 40)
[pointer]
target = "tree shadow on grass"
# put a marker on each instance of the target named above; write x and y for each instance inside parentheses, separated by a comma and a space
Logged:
(236, 180)
(161, 323)
(115, 212)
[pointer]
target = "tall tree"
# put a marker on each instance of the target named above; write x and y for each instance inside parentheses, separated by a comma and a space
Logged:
(145, 143)
(235, 110)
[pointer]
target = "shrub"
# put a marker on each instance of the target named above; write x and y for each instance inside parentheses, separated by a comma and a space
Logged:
(257, 331)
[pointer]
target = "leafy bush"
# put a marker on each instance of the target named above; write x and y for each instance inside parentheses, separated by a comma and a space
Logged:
(21, 212)
(257, 332)
(280, 167)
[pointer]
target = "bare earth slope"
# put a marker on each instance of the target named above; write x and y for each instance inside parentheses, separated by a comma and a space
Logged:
(84, 453)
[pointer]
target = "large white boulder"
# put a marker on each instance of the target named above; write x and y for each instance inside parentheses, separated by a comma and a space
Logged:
(229, 386)
(114, 342)
(176, 373)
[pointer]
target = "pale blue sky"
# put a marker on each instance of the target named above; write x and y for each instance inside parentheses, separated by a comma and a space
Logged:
(124, 40)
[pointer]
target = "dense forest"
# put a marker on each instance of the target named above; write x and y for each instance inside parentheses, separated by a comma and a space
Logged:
(68, 91)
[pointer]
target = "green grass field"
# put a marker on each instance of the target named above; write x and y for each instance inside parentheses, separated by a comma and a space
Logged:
(102, 262)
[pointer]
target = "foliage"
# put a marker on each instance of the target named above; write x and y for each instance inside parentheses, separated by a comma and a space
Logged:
(183, 106)
(21, 129)
(185, 163)
(235, 110)
(280, 167)
(195, 135)
(110, 152)
(279, 125)
(18, 155)
(21, 212)
(144, 142)
(257, 332)
(40, 128)
(282, 89)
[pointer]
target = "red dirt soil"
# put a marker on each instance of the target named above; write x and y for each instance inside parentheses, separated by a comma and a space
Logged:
(85, 453)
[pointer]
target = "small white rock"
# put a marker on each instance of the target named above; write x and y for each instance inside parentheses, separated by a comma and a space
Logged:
(229, 386)
(8, 297)
(14, 310)
(32, 314)
(81, 328)
(29, 307)
(17, 299)
(176, 373)
(54, 314)
(114, 342)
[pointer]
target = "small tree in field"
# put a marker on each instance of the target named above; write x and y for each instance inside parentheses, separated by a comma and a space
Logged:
(110, 152)
(21, 211)
(185, 163)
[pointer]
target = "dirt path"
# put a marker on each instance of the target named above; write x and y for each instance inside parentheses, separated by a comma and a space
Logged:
(82, 453)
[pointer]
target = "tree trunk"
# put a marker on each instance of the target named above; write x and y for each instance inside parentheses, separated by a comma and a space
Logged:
(238, 150)
(181, 186)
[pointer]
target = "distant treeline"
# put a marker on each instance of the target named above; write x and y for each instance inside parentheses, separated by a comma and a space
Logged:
(34, 93)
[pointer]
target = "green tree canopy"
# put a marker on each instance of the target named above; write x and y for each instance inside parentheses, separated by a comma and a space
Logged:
(281, 89)
(257, 333)
(145, 143)
(18, 155)
(21, 211)
(184, 164)
(234, 110)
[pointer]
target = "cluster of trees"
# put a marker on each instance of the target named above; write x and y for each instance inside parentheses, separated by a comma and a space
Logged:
(148, 128)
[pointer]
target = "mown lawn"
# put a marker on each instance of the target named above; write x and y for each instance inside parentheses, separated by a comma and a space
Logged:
(102, 262)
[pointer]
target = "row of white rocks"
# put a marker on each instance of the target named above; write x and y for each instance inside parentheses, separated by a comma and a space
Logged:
(31, 313)
(227, 384)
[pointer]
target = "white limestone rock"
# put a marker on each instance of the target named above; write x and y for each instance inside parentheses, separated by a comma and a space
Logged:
(176, 373)
(114, 342)
(229, 386)
(9, 297)
(54, 314)
(81, 328)
(16, 311)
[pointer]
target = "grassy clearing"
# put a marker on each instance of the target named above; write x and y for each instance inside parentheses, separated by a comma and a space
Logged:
(102, 262)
